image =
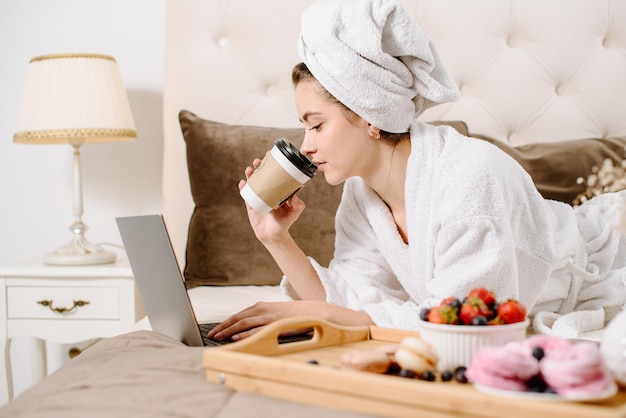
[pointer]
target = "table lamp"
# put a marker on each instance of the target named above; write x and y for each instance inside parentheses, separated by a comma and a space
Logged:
(75, 99)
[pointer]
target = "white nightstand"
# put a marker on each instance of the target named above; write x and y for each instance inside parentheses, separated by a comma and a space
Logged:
(63, 304)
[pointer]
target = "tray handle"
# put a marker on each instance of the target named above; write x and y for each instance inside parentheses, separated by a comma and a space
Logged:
(324, 333)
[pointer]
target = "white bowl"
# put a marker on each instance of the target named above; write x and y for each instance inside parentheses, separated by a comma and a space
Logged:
(456, 344)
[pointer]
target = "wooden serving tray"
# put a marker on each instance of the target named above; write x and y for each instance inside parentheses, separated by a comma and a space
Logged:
(259, 364)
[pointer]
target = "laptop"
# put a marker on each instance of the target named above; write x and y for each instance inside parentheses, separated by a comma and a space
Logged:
(160, 281)
(162, 286)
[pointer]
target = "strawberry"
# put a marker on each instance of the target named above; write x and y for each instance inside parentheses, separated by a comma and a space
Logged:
(443, 315)
(511, 311)
(472, 309)
(485, 295)
(451, 301)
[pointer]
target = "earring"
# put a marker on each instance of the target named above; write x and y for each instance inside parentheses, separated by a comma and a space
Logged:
(377, 136)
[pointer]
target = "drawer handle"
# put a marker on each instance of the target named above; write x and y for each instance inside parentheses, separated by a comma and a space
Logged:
(49, 304)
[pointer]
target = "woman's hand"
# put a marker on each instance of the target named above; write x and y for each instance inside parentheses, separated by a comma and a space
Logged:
(272, 230)
(275, 225)
(251, 319)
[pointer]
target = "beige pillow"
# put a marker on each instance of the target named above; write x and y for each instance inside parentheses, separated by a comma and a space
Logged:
(221, 246)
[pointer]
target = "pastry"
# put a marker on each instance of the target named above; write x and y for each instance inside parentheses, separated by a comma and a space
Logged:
(542, 363)
(417, 355)
(388, 348)
(576, 370)
(375, 361)
(505, 367)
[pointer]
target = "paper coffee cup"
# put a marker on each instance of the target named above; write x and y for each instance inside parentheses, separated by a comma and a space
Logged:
(283, 172)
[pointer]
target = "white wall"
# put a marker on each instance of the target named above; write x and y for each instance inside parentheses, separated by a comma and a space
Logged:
(118, 178)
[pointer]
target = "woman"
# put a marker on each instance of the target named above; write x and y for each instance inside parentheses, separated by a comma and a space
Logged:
(426, 213)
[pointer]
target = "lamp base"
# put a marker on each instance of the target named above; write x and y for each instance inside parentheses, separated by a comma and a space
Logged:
(79, 252)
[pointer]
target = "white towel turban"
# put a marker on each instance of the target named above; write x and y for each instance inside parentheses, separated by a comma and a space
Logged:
(372, 56)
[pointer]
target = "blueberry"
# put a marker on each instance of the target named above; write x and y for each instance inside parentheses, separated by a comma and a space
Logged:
(459, 374)
(536, 384)
(538, 353)
(407, 373)
(446, 375)
(428, 376)
(424, 314)
(393, 368)
(455, 303)
(479, 320)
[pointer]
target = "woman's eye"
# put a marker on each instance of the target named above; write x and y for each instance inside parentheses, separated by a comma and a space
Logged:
(315, 128)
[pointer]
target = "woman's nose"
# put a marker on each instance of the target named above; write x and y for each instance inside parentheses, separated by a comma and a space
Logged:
(308, 147)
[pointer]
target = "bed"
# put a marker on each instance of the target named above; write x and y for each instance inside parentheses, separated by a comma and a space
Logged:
(545, 81)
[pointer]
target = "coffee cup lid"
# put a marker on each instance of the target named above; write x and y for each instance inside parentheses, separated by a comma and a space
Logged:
(293, 154)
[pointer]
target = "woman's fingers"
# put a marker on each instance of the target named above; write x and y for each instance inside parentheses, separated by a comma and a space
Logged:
(246, 334)
(248, 172)
(242, 322)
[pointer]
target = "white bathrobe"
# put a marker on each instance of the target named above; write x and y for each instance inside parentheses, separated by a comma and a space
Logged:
(474, 218)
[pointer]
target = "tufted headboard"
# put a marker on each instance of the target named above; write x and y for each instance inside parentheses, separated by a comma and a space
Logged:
(529, 71)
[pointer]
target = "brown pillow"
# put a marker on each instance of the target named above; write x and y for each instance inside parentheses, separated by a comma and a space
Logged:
(221, 246)
(555, 167)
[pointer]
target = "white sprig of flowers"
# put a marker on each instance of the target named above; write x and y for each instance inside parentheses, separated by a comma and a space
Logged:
(608, 178)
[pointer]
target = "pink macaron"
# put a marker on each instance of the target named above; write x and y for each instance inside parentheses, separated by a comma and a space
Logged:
(576, 370)
(505, 367)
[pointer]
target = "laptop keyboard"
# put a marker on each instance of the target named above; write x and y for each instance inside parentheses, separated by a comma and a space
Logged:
(204, 330)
